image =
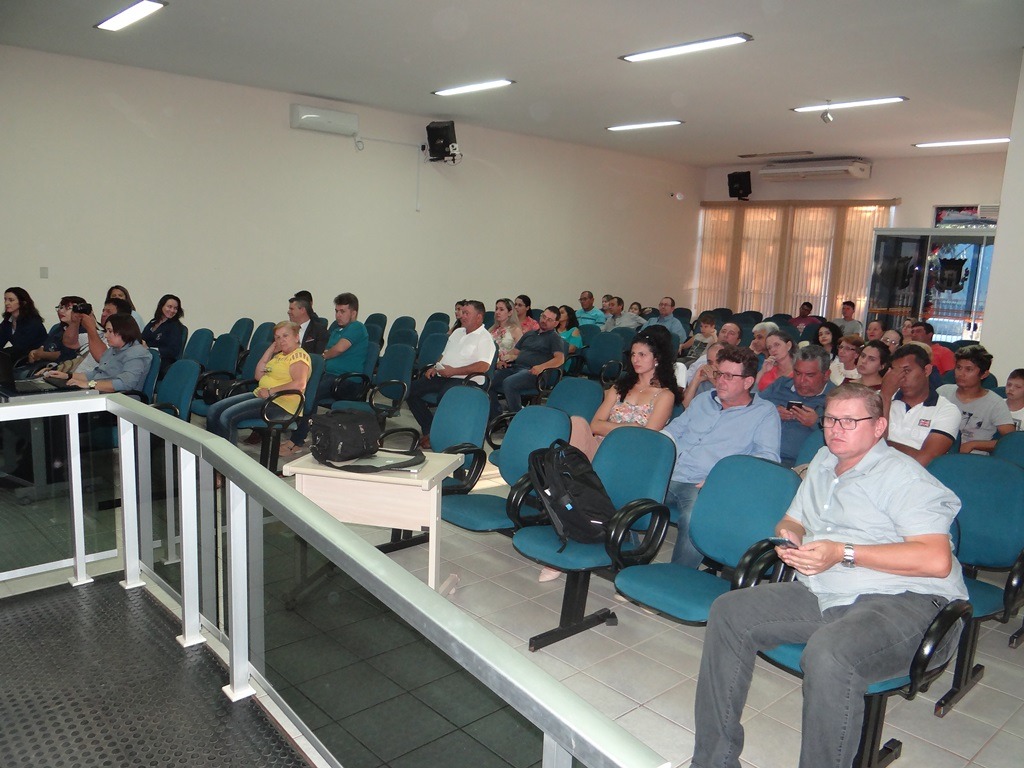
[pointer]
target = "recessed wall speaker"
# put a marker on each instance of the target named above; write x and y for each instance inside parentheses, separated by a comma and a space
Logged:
(739, 185)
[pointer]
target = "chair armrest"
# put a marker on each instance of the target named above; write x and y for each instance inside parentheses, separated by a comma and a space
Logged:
(241, 386)
(466, 477)
(414, 436)
(138, 393)
(485, 385)
(522, 495)
(287, 419)
(946, 619)
(760, 562)
(1013, 592)
(498, 424)
(610, 371)
(547, 380)
(364, 382)
(387, 411)
(170, 408)
(575, 362)
(619, 544)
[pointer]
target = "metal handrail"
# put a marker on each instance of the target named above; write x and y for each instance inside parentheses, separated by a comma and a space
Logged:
(570, 724)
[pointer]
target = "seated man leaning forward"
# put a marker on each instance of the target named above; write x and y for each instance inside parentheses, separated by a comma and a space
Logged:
(874, 563)
(800, 399)
(124, 365)
(285, 366)
(534, 353)
(729, 420)
(470, 350)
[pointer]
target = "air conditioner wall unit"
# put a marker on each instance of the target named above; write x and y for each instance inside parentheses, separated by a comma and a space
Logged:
(818, 169)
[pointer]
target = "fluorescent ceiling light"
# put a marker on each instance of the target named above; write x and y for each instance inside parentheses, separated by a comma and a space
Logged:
(963, 143)
(697, 45)
(638, 126)
(130, 15)
(475, 87)
(849, 104)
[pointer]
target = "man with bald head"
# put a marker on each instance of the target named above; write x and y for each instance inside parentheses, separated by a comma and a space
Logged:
(730, 333)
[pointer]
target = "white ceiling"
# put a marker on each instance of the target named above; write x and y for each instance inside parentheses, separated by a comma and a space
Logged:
(958, 61)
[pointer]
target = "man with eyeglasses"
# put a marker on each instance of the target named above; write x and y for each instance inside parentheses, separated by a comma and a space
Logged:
(869, 539)
(922, 423)
(800, 399)
(727, 421)
(588, 314)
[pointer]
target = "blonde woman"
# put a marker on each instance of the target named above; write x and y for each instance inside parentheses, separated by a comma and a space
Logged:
(506, 330)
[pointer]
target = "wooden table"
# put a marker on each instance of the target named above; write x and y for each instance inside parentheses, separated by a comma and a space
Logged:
(400, 500)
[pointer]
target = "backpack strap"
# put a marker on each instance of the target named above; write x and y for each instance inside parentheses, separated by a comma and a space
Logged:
(415, 459)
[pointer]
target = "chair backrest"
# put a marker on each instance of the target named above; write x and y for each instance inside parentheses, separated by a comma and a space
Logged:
(948, 378)
(991, 517)
(407, 336)
(178, 386)
(377, 318)
(395, 365)
(372, 356)
(375, 333)
(262, 336)
(536, 426)
(588, 332)
(442, 317)
(405, 321)
(488, 318)
(434, 326)
(810, 332)
(635, 463)
(198, 347)
(149, 385)
(431, 348)
(684, 315)
(577, 397)
(742, 499)
(316, 372)
(252, 359)
(1010, 447)
(812, 444)
(626, 334)
(224, 355)
(242, 330)
(602, 348)
(461, 417)
(751, 316)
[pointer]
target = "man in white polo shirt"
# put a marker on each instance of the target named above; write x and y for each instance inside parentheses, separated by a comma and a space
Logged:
(922, 424)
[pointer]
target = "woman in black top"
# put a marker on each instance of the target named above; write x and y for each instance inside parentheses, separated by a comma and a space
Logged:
(165, 331)
(22, 327)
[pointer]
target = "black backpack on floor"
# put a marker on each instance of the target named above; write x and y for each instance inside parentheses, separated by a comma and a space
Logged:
(571, 492)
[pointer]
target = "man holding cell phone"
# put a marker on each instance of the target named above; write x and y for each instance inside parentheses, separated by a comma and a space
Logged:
(800, 399)
(868, 534)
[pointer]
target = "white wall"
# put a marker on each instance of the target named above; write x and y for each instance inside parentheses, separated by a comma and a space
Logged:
(921, 182)
(172, 184)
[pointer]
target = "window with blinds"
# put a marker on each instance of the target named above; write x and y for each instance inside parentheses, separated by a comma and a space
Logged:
(771, 257)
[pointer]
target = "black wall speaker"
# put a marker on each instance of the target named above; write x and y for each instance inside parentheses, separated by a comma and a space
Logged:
(739, 185)
(440, 136)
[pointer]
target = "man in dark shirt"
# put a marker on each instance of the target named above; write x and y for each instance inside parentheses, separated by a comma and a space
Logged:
(535, 352)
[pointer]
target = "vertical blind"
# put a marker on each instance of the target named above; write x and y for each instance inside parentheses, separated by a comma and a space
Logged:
(772, 257)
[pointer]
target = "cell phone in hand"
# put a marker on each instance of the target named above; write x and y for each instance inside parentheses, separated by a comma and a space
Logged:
(782, 541)
(794, 404)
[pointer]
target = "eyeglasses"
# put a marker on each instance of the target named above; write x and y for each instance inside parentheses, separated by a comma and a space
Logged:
(727, 376)
(847, 423)
(891, 342)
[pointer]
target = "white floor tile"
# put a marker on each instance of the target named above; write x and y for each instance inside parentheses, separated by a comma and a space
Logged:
(524, 620)
(676, 703)
(635, 675)
(671, 741)
(770, 744)
(604, 698)
(674, 649)
(1004, 751)
(955, 732)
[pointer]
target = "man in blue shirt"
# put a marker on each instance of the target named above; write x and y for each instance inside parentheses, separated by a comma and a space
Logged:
(668, 320)
(728, 421)
(587, 314)
(800, 400)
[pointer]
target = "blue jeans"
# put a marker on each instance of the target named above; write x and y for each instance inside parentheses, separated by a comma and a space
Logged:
(680, 500)
(848, 648)
(513, 383)
(223, 417)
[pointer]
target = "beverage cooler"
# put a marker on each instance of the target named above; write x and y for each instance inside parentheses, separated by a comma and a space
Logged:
(938, 275)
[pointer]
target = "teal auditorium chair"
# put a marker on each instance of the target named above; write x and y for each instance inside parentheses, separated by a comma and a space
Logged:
(458, 427)
(430, 349)
(175, 391)
(922, 672)
(375, 334)
(534, 427)
(198, 347)
(627, 335)
(404, 322)
(1010, 447)
(223, 364)
(741, 501)
(273, 426)
(242, 330)
(145, 394)
(602, 358)
(262, 337)
(684, 315)
(634, 466)
(441, 317)
(991, 537)
(814, 442)
(378, 320)
(577, 397)
(364, 377)
(408, 336)
(389, 385)
(588, 332)
(434, 326)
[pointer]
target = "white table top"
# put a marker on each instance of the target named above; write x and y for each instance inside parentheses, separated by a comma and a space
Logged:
(429, 474)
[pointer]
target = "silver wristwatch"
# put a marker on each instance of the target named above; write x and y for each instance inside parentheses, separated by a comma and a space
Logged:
(848, 555)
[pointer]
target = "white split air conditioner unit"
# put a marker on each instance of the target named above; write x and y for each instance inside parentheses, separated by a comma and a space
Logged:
(324, 120)
(818, 169)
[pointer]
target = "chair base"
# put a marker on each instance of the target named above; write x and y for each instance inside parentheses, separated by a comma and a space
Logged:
(572, 621)
(1017, 636)
(887, 755)
(960, 688)
(966, 673)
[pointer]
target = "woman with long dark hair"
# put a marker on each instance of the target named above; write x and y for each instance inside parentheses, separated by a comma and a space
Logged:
(569, 329)
(828, 337)
(165, 331)
(22, 326)
(120, 292)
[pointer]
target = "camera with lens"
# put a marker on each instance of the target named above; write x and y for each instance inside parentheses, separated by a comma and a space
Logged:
(82, 309)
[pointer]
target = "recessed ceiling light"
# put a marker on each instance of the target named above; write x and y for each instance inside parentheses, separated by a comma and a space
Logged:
(474, 87)
(752, 155)
(130, 15)
(639, 126)
(963, 143)
(850, 104)
(697, 45)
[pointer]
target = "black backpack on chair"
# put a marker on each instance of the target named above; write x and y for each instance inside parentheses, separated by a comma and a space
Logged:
(571, 492)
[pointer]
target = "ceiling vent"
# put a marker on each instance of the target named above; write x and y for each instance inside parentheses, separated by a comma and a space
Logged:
(818, 169)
